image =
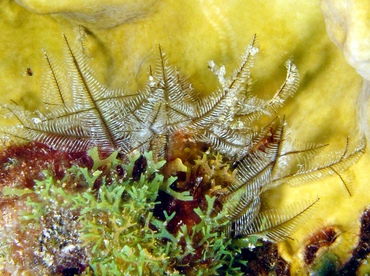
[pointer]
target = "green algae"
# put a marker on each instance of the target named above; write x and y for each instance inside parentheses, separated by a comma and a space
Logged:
(112, 230)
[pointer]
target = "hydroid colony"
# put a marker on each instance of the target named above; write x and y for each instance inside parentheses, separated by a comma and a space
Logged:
(192, 167)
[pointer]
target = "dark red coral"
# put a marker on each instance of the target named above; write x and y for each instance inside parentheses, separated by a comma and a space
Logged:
(324, 237)
(264, 260)
(363, 248)
(22, 164)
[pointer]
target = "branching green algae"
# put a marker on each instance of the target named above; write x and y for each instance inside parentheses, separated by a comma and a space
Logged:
(114, 230)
